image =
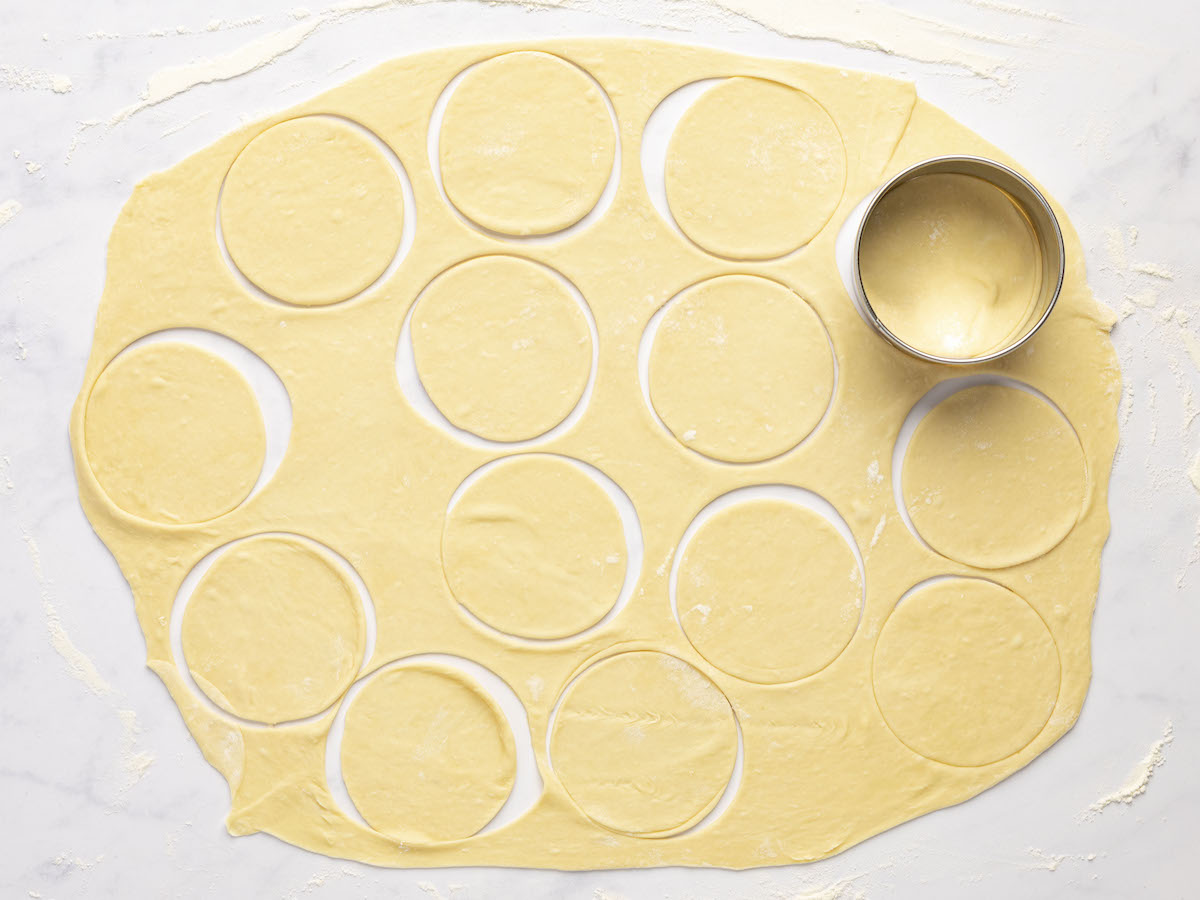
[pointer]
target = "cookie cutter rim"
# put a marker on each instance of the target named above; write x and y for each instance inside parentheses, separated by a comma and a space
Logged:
(1028, 199)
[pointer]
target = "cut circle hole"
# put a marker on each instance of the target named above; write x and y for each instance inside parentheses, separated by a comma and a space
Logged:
(738, 368)
(173, 432)
(965, 671)
(315, 211)
(766, 588)
(992, 474)
(776, 180)
(645, 744)
(272, 628)
(524, 144)
(534, 546)
(502, 347)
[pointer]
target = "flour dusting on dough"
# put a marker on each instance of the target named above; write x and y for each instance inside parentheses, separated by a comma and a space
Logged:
(1139, 778)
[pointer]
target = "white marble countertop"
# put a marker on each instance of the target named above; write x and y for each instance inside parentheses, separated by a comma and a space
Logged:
(103, 791)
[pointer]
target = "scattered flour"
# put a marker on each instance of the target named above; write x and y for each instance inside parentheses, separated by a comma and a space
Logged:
(17, 78)
(1139, 778)
(8, 211)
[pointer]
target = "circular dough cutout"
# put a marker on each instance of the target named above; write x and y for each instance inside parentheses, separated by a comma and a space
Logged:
(312, 211)
(501, 347)
(768, 591)
(644, 743)
(535, 548)
(274, 631)
(526, 144)
(754, 169)
(965, 672)
(174, 433)
(993, 476)
(427, 755)
(740, 368)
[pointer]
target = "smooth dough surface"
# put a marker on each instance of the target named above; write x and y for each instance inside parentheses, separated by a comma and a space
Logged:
(274, 630)
(312, 211)
(518, 559)
(535, 548)
(950, 265)
(966, 673)
(769, 591)
(994, 476)
(174, 433)
(740, 368)
(754, 169)
(526, 145)
(501, 347)
(426, 754)
(644, 743)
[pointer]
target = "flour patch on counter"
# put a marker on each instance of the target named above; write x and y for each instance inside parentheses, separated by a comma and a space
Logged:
(1139, 779)
(8, 211)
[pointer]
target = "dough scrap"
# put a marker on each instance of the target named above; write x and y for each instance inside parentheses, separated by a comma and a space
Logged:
(526, 145)
(644, 743)
(754, 169)
(951, 265)
(768, 591)
(312, 211)
(274, 631)
(740, 368)
(965, 672)
(427, 755)
(501, 347)
(371, 476)
(535, 548)
(174, 433)
(993, 477)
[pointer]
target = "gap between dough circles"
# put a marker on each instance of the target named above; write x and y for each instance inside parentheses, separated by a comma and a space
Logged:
(589, 517)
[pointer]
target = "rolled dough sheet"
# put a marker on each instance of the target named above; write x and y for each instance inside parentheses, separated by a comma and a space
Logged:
(856, 679)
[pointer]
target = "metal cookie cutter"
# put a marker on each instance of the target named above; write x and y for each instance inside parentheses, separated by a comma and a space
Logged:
(1028, 200)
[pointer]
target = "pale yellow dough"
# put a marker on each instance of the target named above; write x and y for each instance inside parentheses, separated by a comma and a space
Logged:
(526, 145)
(965, 672)
(535, 548)
(754, 169)
(950, 265)
(426, 754)
(502, 348)
(274, 630)
(874, 713)
(740, 368)
(644, 743)
(994, 476)
(769, 591)
(312, 211)
(174, 433)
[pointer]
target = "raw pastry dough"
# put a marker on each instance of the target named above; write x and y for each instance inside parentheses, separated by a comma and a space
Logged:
(768, 591)
(993, 477)
(372, 479)
(668, 739)
(535, 548)
(740, 368)
(501, 347)
(274, 630)
(174, 433)
(526, 145)
(312, 211)
(950, 265)
(426, 754)
(965, 672)
(754, 169)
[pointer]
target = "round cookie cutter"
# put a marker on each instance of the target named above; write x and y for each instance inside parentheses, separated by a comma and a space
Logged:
(1037, 211)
